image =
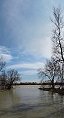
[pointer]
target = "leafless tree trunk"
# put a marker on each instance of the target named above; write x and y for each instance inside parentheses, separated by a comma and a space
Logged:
(58, 41)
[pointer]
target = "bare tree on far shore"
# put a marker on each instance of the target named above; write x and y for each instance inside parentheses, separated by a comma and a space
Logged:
(12, 76)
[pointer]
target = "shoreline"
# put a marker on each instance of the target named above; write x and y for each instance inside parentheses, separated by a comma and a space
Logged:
(55, 90)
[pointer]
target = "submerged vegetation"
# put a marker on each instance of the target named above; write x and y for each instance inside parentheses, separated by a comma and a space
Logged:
(54, 68)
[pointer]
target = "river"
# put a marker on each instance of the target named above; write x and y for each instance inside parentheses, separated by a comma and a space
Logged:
(30, 102)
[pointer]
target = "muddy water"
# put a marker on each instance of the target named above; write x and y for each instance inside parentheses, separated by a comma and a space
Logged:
(30, 102)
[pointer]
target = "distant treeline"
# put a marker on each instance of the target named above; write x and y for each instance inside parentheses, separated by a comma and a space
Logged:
(27, 83)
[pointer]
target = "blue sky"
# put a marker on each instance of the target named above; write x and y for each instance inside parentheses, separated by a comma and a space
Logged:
(25, 34)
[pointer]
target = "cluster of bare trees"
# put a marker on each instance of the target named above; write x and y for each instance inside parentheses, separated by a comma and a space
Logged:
(54, 68)
(7, 77)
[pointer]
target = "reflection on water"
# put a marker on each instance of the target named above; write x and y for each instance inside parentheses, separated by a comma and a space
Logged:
(30, 102)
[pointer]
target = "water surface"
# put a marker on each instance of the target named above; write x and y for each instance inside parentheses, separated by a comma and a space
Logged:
(30, 102)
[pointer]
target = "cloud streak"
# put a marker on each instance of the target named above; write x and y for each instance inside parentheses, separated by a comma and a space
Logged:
(33, 66)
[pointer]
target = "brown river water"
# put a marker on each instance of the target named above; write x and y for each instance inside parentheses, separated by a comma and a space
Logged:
(30, 102)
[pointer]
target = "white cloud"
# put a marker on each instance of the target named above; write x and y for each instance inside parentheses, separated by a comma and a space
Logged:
(33, 36)
(5, 54)
(33, 66)
(29, 27)
(41, 47)
(6, 57)
(28, 72)
(3, 49)
(27, 68)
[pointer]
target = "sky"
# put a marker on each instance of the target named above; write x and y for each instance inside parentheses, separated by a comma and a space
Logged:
(25, 35)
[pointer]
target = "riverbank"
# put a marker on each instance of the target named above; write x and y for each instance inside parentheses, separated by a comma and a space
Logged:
(55, 90)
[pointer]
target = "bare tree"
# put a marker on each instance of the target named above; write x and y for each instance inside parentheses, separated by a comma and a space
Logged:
(54, 68)
(12, 76)
(2, 73)
(58, 40)
(2, 64)
(50, 71)
(3, 79)
(7, 78)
